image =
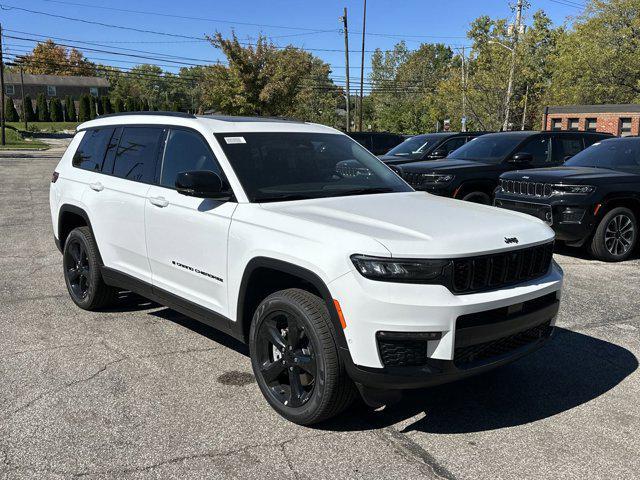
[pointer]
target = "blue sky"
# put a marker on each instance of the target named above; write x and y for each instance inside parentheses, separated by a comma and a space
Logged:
(285, 22)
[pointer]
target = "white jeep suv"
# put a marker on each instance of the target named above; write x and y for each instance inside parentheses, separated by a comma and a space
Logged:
(293, 238)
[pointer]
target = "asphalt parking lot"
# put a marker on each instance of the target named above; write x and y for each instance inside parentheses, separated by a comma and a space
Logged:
(143, 392)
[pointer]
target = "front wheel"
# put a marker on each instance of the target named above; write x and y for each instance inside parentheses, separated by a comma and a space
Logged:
(477, 197)
(295, 358)
(616, 235)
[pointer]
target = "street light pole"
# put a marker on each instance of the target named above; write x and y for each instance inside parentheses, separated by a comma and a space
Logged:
(516, 31)
(346, 58)
(364, 26)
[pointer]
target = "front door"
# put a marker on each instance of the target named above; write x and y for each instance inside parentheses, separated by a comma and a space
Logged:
(187, 236)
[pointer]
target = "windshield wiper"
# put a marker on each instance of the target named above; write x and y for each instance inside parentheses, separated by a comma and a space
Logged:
(364, 191)
(282, 198)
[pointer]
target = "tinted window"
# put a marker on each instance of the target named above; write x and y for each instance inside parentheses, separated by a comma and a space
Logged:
(296, 166)
(538, 147)
(566, 147)
(185, 151)
(488, 148)
(623, 154)
(453, 144)
(414, 147)
(91, 151)
(136, 154)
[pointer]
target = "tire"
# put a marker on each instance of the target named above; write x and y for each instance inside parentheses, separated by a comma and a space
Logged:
(477, 197)
(81, 268)
(294, 355)
(616, 236)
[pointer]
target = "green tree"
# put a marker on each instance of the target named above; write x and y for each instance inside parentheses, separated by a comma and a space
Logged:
(84, 109)
(118, 105)
(99, 106)
(106, 105)
(42, 109)
(130, 104)
(10, 112)
(92, 107)
(55, 110)
(70, 109)
(30, 113)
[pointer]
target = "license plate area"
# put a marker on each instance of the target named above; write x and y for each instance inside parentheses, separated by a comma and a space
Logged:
(538, 210)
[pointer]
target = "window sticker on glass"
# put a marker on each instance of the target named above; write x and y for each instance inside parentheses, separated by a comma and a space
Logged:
(232, 140)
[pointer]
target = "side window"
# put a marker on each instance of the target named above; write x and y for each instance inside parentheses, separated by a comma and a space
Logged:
(566, 147)
(136, 154)
(539, 148)
(453, 144)
(185, 151)
(93, 146)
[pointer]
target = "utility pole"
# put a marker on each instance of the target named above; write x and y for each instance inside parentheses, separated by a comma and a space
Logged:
(4, 140)
(346, 58)
(524, 111)
(364, 27)
(516, 32)
(464, 96)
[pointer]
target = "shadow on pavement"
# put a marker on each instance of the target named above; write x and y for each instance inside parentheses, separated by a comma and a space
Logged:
(570, 370)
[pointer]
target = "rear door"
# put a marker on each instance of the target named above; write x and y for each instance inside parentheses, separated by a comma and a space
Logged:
(118, 198)
(187, 236)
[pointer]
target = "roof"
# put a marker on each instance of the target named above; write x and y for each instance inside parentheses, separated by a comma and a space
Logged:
(605, 108)
(56, 80)
(210, 124)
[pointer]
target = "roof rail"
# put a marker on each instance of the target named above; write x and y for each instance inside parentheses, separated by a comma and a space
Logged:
(161, 113)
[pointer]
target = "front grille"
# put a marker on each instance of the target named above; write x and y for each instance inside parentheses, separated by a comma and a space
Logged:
(472, 355)
(402, 353)
(526, 189)
(495, 271)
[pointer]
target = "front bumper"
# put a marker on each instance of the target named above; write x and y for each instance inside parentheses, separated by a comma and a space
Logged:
(370, 307)
(571, 228)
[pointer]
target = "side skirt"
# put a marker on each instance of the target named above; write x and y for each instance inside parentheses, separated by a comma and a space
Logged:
(118, 279)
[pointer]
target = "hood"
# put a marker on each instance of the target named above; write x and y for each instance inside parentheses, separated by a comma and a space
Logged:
(420, 225)
(445, 165)
(569, 175)
(395, 159)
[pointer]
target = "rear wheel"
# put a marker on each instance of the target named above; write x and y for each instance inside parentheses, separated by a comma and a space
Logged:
(477, 197)
(616, 235)
(81, 262)
(295, 358)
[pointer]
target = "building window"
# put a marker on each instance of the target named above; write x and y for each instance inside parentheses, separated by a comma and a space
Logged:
(93, 91)
(591, 124)
(625, 127)
(51, 90)
(574, 124)
(10, 89)
(556, 124)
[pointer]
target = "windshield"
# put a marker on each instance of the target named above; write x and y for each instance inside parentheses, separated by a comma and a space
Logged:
(413, 147)
(618, 154)
(279, 166)
(487, 148)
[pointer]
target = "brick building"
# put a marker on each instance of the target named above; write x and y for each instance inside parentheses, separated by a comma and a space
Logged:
(620, 120)
(52, 86)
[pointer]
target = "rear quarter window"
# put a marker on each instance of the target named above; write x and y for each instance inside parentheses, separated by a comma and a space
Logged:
(92, 149)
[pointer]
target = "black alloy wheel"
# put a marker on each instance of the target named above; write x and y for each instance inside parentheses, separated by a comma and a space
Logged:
(619, 235)
(77, 269)
(286, 357)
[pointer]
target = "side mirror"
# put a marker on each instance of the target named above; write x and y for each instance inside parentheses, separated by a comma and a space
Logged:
(521, 158)
(438, 153)
(202, 184)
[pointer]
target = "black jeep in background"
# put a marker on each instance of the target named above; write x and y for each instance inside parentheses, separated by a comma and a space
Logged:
(377, 143)
(592, 200)
(471, 172)
(428, 146)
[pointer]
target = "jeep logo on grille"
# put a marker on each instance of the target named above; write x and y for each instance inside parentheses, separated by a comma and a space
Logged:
(510, 240)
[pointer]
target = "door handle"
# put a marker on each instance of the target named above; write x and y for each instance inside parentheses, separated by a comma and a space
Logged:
(159, 201)
(97, 186)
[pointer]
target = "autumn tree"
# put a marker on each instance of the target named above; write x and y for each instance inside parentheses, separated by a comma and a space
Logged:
(48, 58)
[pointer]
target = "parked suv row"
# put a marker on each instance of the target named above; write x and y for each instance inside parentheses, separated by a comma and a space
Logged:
(472, 171)
(256, 227)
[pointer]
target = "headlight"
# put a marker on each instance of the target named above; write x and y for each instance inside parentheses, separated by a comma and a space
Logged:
(437, 178)
(399, 270)
(558, 189)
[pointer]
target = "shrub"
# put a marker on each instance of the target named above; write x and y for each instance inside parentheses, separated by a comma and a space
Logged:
(130, 104)
(106, 105)
(145, 106)
(10, 112)
(28, 105)
(55, 110)
(84, 110)
(42, 110)
(118, 105)
(92, 107)
(70, 108)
